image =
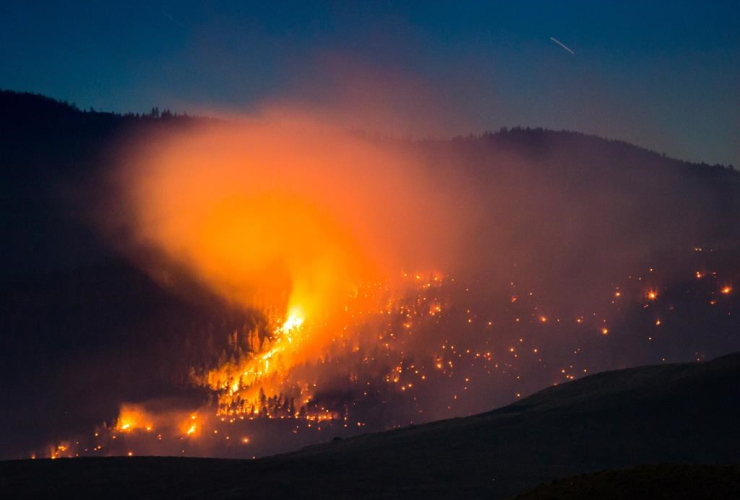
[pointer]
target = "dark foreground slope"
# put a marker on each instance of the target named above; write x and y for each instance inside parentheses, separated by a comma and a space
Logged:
(681, 413)
(653, 482)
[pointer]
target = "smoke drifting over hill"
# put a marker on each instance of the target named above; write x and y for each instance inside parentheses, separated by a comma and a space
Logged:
(291, 202)
(287, 206)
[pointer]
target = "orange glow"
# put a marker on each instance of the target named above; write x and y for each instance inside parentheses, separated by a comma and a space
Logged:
(284, 211)
(726, 290)
(286, 214)
(133, 418)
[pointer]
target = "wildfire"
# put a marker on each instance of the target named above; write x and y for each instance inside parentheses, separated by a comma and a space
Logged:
(279, 371)
(281, 216)
(294, 320)
(324, 240)
(133, 418)
(242, 383)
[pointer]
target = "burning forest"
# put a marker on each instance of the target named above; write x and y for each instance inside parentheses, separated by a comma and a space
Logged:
(379, 283)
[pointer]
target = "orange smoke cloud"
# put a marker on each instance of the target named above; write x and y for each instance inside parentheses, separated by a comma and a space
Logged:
(286, 212)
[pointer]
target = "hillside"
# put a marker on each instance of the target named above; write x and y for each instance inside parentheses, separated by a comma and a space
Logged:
(75, 310)
(679, 413)
(653, 482)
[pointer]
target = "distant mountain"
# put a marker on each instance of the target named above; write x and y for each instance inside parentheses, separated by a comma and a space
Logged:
(680, 413)
(48, 150)
(73, 310)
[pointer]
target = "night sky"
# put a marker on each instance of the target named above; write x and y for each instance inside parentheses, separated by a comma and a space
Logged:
(660, 74)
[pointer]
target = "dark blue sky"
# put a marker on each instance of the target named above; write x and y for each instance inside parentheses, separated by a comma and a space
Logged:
(665, 75)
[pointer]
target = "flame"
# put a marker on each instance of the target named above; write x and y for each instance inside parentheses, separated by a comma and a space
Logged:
(133, 418)
(294, 320)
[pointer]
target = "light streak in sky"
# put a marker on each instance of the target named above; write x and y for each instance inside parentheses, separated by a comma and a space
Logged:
(562, 45)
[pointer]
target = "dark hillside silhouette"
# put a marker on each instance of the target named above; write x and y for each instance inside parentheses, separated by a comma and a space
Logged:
(656, 482)
(681, 413)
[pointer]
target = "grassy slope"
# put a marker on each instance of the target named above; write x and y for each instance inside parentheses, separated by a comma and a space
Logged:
(683, 413)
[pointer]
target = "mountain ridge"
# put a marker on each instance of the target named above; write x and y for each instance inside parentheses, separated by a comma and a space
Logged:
(15, 105)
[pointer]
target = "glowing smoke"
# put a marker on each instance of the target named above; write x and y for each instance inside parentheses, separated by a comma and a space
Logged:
(286, 213)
